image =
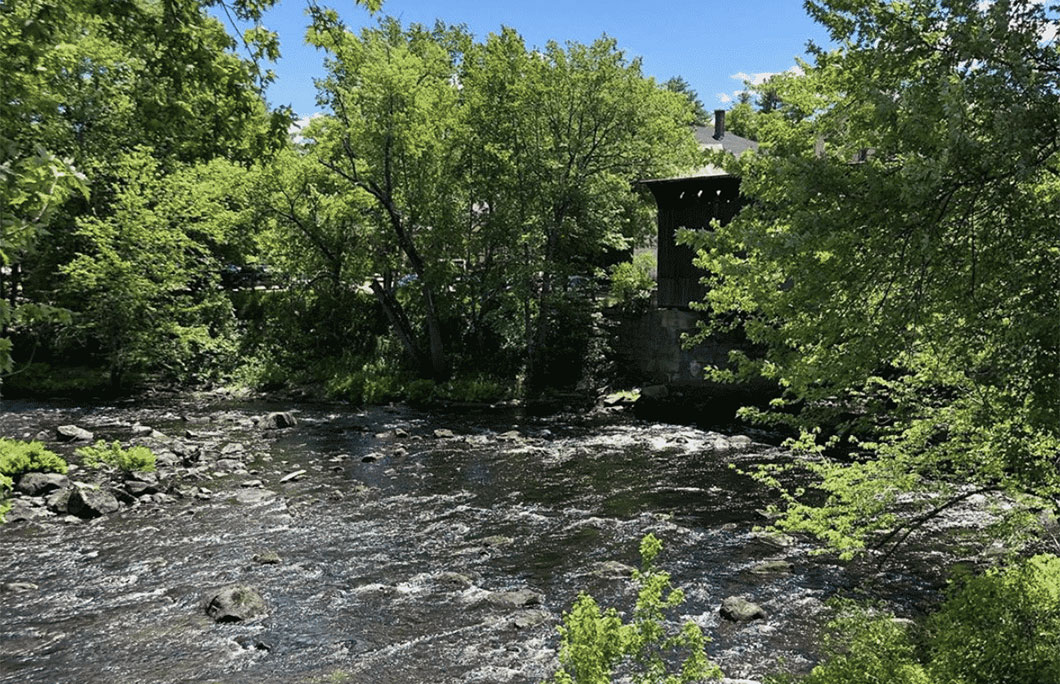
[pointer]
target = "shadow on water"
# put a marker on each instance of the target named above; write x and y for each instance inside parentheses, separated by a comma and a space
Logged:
(396, 548)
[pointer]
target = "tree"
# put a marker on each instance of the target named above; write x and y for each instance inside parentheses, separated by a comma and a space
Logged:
(87, 82)
(679, 85)
(146, 279)
(486, 175)
(393, 139)
(576, 126)
(903, 283)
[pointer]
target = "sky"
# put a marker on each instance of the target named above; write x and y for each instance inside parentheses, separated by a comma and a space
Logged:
(713, 44)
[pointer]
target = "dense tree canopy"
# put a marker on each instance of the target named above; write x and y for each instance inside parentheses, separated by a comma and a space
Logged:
(904, 281)
(477, 179)
(89, 86)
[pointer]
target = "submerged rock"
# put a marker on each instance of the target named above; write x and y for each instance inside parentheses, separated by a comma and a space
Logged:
(739, 609)
(254, 496)
(443, 433)
(36, 484)
(267, 558)
(531, 618)
(72, 433)
(235, 603)
(772, 567)
(612, 569)
(85, 502)
(16, 587)
(740, 442)
(774, 538)
(278, 420)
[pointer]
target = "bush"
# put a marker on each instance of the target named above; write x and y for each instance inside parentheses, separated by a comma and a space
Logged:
(24, 457)
(864, 646)
(594, 643)
(475, 389)
(129, 460)
(1002, 627)
(17, 458)
(631, 281)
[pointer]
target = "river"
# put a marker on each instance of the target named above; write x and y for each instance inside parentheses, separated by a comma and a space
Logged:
(396, 547)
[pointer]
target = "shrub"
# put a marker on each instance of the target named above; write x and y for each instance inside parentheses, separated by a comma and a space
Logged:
(1002, 627)
(478, 389)
(631, 281)
(18, 457)
(126, 460)
(594, 643)
(864, 646)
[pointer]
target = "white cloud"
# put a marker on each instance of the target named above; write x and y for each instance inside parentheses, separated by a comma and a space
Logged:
(295, 129)
(726, 98)
(761, 77)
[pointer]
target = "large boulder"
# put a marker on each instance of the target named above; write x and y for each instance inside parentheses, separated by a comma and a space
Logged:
(38, 484)
(58, 499)
(520, 598)
(23, 509)
(655, 392)
(739, 609)
(85, 502)
(277, 420)
(235, 603)
(72, 433)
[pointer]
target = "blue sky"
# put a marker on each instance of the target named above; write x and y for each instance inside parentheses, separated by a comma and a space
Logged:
(713, 44)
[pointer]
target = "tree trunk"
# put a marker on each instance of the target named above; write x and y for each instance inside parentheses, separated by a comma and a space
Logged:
(401, 325)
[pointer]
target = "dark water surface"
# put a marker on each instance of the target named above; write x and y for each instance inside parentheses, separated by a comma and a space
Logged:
(388, 568)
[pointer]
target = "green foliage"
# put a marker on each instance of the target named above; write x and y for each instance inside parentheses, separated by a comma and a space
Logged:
(17, 457)
(594, 643)
(145, 282)
(679, 85)
(632, 282)
(866, 647)
(1002, 627)
(902, 283)
(90, 90)
(424, 188)
(47, 380)
(133, 459)
(6, 484)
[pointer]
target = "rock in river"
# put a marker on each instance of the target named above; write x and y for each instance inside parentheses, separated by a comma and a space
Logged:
(739, 609)
(37, 484)
(86, 502)
(235, 603)
(519, 598)
(277, 420)
(772, 567)
(72, 433)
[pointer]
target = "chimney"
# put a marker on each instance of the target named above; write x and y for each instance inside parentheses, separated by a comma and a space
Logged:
(719, 124)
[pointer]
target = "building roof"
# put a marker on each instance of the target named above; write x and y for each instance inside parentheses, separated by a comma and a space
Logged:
(714, 138)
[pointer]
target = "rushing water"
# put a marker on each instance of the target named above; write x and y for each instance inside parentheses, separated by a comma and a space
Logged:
(389, 568)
